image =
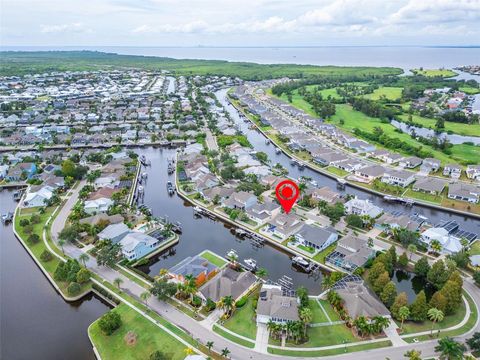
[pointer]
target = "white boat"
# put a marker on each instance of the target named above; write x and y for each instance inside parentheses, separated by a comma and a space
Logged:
(232, 254)
(314, 183)
(278, 150)
(298, 260)
(251, 263)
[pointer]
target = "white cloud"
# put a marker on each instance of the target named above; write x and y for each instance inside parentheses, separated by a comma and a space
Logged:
(63, 28)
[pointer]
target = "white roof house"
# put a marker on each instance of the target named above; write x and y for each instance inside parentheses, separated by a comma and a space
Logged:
(450, 244)
(38, 198)
(97, 206)
(362, 207)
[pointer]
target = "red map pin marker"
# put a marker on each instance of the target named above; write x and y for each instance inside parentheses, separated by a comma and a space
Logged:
(287, 193)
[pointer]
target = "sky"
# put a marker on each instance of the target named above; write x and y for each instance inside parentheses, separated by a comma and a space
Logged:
(239, 22)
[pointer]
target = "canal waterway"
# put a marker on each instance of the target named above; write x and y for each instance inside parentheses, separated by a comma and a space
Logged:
(35, 322)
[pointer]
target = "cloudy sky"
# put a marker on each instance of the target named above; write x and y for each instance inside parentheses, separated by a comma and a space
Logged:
(239, 22)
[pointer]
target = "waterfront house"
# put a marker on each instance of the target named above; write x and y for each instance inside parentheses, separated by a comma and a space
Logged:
(114, 232)
(316, 237)
(283, 225)
(200, 268)
(3, 171)
(104, 192)
(430, 165)
(389, 221)
(450, 244)
(452, 170)
(390, 158)
(136, 245)
(430, 185)
(358, 300)
(97, 206)
(351, 252)
(228, 282)
(240, 200)
(262, 213)
(106, 181)
(349, 165)
(464, 192)
(324, 194)
(205, 181)
(274, 305)
(362, 208)
(219, 192)
(39, 197)
(473, 172)
(21, 171)
(102, 218)
(411, 162)
(401, 178)
(370, 173)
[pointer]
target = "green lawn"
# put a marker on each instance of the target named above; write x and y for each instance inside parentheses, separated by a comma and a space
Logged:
(457, 128)
(330, 352)
(243, 321)
(385, 92)
(308, 249)
(411, 327)
(435, 72)
(149, 339)
(324, 336)
(356, 119)
(469, 90)
(475, 249)
(318, 314)
(336, 171)
(297, 101)
(233, 338)
(320, 257)
(213, 258)
(436, 199)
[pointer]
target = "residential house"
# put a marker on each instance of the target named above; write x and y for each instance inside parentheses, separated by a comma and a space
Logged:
(370, 173)
(430, 185)
(464, 192)
(351, 252)
(316, 237)
(430, 165)
(262, 213)
(411, 162)
(401, 178)
(450, 244)
(21, 171)
(240, 200)
(102, 218)
(114, 232)
(358, 300)
(452, 170)
(283, 226)
(39, 197)
(200, 268)
(219, 192)
(362, 208)
(228, 282)
(389, 221)
(136, 245)
(274, 305)
(97, 206)
(324, 194)
(473, 172)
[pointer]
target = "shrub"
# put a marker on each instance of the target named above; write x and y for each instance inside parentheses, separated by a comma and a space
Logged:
(110, 322)
(83, 276)
(74, 288)
(196, 301)
(35, 219)
(242, 301)
(210, 305)
(24, 222)
(46, 256)
(33, 239)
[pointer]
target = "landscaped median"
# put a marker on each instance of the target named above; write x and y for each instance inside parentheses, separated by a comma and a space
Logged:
(229, 336)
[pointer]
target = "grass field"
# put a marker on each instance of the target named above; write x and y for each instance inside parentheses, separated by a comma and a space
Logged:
(386, 92)
(319, 315)
(150, 338)
(213, 258)
(337, 171)
(470, 90)
(243, 321)
(436, 199)
(233, 338)
(297, 101)
(457, 128)
(324, 336)
(435, 72)
(353, 119)
(475, 249)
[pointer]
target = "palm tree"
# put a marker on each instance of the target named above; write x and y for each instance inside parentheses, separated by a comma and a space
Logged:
(464, 243)
(449, 349)
(412, 249)
(436, 246)
(413, 355)
(145, 296)
(380, 323)
(190, 285)
(189, 351)
(403, 314)
(118, 282)
(306, 316)
(163, 272)
(209, 345)
(83, 258)
(225, 352)
(435, 315)
(262, 273)
(361, 324)
(227, 304)
(61, 242)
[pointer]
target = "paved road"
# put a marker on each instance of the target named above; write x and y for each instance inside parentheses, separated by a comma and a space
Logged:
(200, 330)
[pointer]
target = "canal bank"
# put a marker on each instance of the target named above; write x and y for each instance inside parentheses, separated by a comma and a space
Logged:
(434, 214)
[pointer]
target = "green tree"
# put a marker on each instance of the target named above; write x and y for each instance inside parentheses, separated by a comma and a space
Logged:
(413, 355)
(118, 281)
(403, 314)
(107, 254)
(73, 289)
(225, 352)
(163, 289)
(158, 355)
(422, 267)
(400, 301)
(83, 275)
(83, 258)
(438, 301)
(376, 270)
(144, 296)
(209, 345)
(474, 342)
(452, 292)
(262, 273)
(393, 255)
(438, 274)
(419, 307)
(412, 249)
(450, 349)
(381, 282)
(227, 304)
(388, 294)
(403, 260)
(435, 315)
(33, 239)
(110, 322)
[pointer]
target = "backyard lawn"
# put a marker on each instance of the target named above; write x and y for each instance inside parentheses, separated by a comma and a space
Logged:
(324, 336)
(213, 258)
(243, 321)
(385, 92)
(336, 171)
(149, 338)
(436, 199)
(319, 315)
